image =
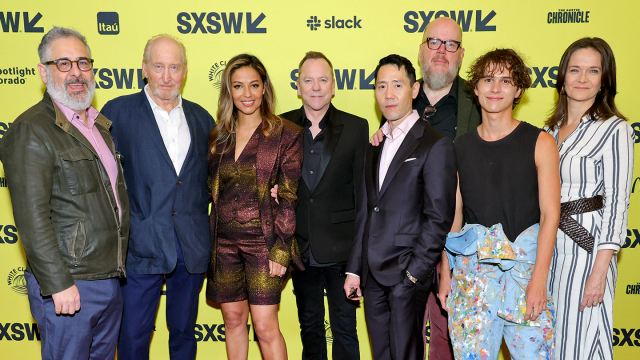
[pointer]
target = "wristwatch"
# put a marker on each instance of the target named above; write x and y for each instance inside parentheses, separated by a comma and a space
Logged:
(411, 277)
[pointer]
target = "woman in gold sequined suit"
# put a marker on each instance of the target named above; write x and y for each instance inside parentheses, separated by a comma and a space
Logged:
(251, 151)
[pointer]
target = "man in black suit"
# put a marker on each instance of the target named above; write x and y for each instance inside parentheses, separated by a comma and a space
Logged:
(334, 147)
(406, 209)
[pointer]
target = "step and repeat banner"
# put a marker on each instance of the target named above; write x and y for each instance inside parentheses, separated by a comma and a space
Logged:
(354, 35)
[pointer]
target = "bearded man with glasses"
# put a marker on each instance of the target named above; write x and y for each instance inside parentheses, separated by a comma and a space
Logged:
(70, 205)
(445, 102)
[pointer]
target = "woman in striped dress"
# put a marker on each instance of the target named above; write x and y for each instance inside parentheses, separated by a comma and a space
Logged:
(596, 167)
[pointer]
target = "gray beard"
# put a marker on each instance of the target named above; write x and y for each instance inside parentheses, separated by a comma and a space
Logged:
(172, 96)
(74, 101)
(437, 81)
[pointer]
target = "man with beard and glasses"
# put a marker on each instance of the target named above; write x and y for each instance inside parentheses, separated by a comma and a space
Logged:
(164, 142)
(70, 205)
(446, 103)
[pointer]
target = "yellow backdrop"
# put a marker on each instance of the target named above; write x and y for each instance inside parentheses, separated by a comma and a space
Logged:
(354, 35)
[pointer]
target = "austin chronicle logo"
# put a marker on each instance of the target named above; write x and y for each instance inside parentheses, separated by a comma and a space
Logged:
(215, 74)
(313, 23)
(16, 281)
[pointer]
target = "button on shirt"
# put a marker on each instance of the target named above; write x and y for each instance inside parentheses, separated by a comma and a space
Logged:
(313, 150)
(445, 120)
(173, 129)
(93, 135)
(392, 143)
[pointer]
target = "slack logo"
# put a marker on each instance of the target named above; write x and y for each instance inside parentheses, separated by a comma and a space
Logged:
(108, 23)
(313, 23)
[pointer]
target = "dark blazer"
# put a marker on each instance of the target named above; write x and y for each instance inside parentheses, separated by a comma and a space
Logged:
(325, 216)
(468, 111)
(279, 161)
(162, 203)
(404, 225)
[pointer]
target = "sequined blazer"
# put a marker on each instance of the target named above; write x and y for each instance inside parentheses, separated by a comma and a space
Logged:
(279, 161)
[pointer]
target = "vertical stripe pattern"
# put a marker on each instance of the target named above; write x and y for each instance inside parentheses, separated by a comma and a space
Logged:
(596, 159)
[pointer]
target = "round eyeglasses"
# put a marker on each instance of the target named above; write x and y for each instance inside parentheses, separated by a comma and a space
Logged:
(449, 45)
(65, 65)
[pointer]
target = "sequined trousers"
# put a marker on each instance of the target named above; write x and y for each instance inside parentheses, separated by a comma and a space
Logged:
(487, 299)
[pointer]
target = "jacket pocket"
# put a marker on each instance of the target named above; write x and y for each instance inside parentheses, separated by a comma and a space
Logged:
(72, 239)
(343, 216)
(79, 167)
(405, 240)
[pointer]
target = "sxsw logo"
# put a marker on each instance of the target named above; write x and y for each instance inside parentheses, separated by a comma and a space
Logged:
(630, 337)
(3, 128)
(417, 21)
(121, 78)
(345, 79)
(11, 22)
(636, 131)
(19, 331)
(216, 332)
(314, 23)
(632, 240)
(108, 23)
(10, 234)
(213, 23)
(544, 76)
(3, 181)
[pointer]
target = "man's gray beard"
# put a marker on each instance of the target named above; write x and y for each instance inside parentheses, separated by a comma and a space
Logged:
(76, 102)
(157, 93)
(437, 81)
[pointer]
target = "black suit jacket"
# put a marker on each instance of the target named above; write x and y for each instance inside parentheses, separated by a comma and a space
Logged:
(404, 225)
(325, 216)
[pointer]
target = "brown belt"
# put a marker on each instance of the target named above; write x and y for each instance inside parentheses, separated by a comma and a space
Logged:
(574, 229)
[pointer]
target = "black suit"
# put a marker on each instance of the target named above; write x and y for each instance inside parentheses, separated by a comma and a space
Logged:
(325, 224)
(402, 227)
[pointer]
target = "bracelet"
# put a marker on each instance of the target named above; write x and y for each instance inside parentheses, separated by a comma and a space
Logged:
(411, 277)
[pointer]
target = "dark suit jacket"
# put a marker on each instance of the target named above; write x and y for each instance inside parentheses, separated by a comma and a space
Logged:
(328, 223)
(279, 161)
(468, 116)
(404, 225)
(162, 203)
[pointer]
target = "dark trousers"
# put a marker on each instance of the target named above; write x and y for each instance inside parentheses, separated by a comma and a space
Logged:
(90, 333)
(309, 286)
(141, 295)
(395, 318)
(439, 342)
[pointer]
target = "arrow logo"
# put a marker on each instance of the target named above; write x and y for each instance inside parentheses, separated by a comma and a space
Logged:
(252, 26)
(481, 24)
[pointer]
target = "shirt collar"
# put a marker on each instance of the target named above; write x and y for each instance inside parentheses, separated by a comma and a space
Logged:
(323, 123)
(74, 117)
(403, 128)
(153, 103)
(453, 92)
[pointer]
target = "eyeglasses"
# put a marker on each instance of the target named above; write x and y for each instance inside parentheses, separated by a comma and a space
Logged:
(429, 111)
(65, 65)
(449, 45)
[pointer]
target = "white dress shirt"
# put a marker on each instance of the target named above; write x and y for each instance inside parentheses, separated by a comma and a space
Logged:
(173, 129)
(393, 142)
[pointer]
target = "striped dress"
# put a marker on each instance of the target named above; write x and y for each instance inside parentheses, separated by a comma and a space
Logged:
(596, 159)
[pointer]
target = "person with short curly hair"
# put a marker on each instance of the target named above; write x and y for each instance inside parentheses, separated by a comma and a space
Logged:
(509, 196)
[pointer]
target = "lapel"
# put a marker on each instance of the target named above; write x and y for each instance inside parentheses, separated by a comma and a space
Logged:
(268, 151)
(464, 108)
(331, 137)
(374, 165)
(148, 120)
(65, 124)
(215, 180)
(409, 144)
(191, 124)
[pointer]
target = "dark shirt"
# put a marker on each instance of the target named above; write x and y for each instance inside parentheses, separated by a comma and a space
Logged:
(313, 150)
(499, 179)
(445, 120)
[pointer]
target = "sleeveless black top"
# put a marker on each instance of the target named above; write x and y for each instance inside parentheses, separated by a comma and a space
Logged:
(499, 179)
